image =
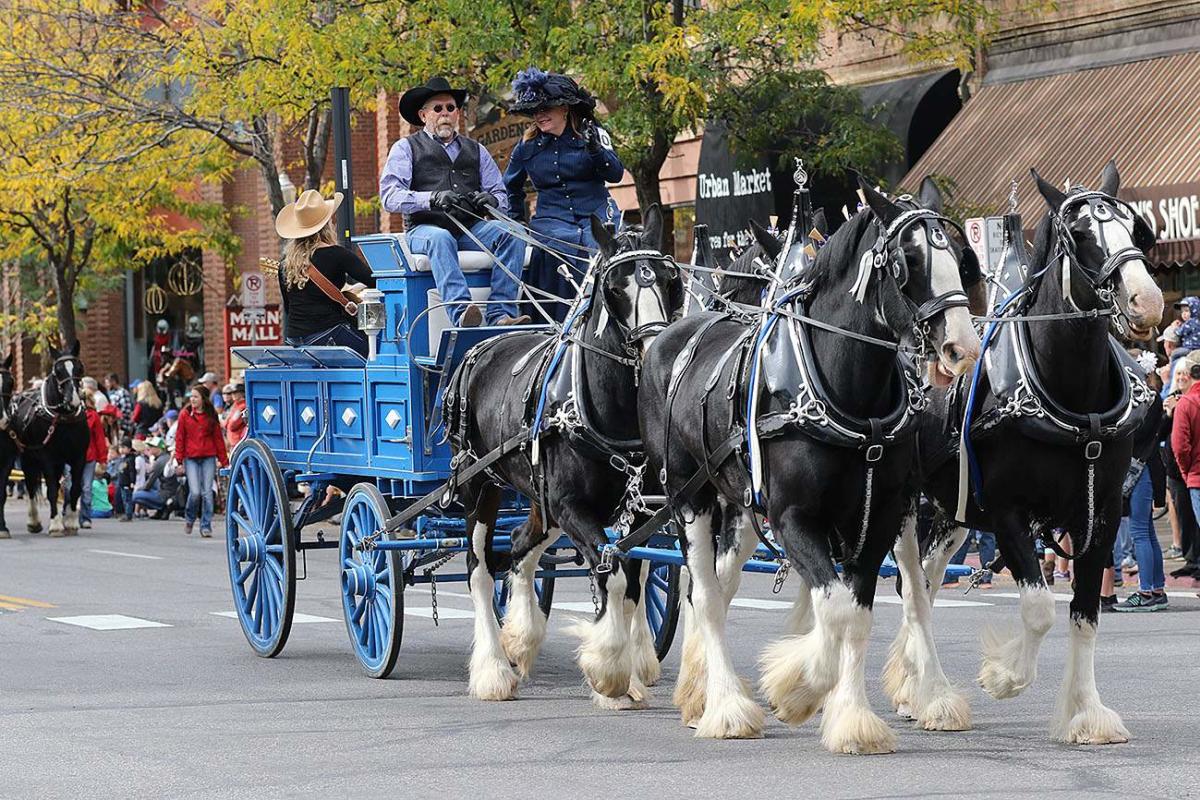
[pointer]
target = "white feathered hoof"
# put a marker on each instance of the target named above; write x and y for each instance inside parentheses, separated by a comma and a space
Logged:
(1096, 724)
(691, 684)
(645, 661)
(56, 527)
(794, 680)
(946, 711)
(71, 523)
(626, 702)
(998, 672)
(4, 534)
(492, 679)
(898, 674)
(602, 658)
(732, 716)
(521, 637)
(856, 731)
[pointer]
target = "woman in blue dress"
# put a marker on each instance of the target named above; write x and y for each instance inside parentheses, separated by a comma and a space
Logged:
(568, 158)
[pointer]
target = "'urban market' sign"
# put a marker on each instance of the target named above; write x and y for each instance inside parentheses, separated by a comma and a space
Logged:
(729, 194)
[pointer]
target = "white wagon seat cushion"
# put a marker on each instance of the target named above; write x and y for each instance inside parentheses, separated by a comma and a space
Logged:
(468, 260)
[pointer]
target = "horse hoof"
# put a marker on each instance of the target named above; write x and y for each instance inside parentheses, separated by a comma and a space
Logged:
(35, 528)
(4, 534)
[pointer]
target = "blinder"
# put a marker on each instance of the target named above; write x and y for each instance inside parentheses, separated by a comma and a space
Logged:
(1103, 208)
(645, 276)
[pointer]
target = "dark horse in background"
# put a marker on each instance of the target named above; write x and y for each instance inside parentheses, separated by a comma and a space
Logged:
(51, 426)
(574, 482)
(9, 451)
(1088, 255)
(824, 497)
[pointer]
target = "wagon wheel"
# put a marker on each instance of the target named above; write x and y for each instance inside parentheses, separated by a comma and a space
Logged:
(662, 605)
(544, 587)
(372, 583)
(261, 548)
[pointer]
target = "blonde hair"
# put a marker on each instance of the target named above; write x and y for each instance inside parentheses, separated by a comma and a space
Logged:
(146, 393)
(574, 122)
(297, 255)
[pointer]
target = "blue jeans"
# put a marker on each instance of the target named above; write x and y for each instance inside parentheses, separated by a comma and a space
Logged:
(987, 548)
(201, 472)
(442, 247)
(147, 499)
(1146, 550)
(85, 497)
(344, 334)
(1121, 544)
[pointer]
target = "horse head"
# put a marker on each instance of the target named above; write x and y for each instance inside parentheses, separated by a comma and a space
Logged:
(60, 389)
(637, 287)
(924, 254)
(8, 385)
(1102, 245)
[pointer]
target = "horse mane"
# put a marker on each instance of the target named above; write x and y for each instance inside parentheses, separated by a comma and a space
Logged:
(740, 283)
(1043, 242)
(841, 248)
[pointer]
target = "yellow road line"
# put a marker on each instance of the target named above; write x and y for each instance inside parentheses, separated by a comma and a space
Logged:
(22, 601)
(11, 607)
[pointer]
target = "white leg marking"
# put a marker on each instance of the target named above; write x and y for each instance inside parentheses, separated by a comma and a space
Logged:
(689, 686)
(35, 521)
(491, 676)
(524, 627)
(70, 522)
(729, 710)
(848, 724)
(645, 659)
(913, 676)
(1010, 661)
(798, 671)
(1080, 717)
(603, 653)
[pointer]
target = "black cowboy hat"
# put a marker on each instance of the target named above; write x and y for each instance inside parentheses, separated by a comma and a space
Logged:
(412, 100)
(534, 89)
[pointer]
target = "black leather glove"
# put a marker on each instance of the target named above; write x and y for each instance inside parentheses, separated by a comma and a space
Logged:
(446, 200)
(591, 135)
(482, 200)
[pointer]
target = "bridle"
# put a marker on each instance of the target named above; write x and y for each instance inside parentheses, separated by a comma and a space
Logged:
(62, 407)
(645, 277)
(888, 252)
(1102, 208)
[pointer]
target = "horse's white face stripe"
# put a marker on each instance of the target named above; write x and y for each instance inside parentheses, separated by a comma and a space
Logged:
(945, 278)
(1136, 280)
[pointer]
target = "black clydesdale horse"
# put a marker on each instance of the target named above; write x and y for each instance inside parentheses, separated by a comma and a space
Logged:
(52, 427)
(1054, 417)
(588, 418)
(9, 450)
(838, 411)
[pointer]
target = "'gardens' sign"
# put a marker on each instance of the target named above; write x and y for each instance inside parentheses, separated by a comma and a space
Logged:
(729, 194)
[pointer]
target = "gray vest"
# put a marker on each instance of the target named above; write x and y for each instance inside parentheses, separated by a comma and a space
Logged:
(433, 171)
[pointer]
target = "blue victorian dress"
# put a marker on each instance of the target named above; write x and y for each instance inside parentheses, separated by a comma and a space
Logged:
(569, 182)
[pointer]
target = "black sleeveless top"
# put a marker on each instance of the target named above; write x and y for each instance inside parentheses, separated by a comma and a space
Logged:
(307, 310)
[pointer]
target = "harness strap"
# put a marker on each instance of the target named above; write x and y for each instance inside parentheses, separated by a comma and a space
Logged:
(393, 524)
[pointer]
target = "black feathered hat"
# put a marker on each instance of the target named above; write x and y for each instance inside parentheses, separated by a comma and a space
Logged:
(534, 89)
(412, 100)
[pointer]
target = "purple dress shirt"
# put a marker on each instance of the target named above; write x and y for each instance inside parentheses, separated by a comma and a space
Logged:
(398, 198)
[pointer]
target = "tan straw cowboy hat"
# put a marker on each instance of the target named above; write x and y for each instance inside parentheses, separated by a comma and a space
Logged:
(307, 215)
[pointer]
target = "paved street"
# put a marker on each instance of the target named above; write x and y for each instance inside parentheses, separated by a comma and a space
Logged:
(181, 708)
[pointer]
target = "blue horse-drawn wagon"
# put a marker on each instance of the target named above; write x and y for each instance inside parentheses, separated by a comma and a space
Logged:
(332, 433)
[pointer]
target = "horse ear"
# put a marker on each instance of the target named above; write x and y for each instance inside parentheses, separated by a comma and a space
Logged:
(75, 348)
(652, 226)
(820, 223)
(608, 245)
(884, 209)
(54, 353)
(1053, 196)
(766, 240)
(931, 195)
(1110, 179)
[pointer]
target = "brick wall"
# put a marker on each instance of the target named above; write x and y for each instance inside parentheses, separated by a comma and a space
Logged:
(102, 335)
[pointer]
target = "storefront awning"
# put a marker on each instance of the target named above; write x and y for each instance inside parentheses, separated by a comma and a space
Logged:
(1067, 126)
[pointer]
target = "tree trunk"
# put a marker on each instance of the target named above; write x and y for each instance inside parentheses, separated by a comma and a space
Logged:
(66, 306)
(649, 190)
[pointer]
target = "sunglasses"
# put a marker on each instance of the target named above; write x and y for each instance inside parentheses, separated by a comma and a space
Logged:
(449, 108)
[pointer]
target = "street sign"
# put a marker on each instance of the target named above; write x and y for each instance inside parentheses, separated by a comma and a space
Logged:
(254, 290)
(985, 235)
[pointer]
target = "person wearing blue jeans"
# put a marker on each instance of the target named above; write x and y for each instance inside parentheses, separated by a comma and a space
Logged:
(1151, 594)
(201, 473)
(442, 247)
(987, 553)
(446, 184)
(85, 496)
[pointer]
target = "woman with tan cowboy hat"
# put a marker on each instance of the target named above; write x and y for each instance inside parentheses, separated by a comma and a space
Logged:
(313, 266)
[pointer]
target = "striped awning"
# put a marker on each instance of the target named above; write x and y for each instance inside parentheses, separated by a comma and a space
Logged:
(1143, 113)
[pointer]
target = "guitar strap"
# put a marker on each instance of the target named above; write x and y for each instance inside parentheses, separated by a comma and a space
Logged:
(331, 291)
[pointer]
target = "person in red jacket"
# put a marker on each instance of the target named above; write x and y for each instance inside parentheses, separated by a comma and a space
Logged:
(235, 415)
(97, 453)
(199, 445)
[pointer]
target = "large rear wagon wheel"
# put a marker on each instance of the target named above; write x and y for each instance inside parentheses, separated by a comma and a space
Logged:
(662, 605)
(261, 547)
(372, 583)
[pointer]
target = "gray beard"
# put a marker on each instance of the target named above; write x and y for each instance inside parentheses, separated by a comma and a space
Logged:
(436, 132)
